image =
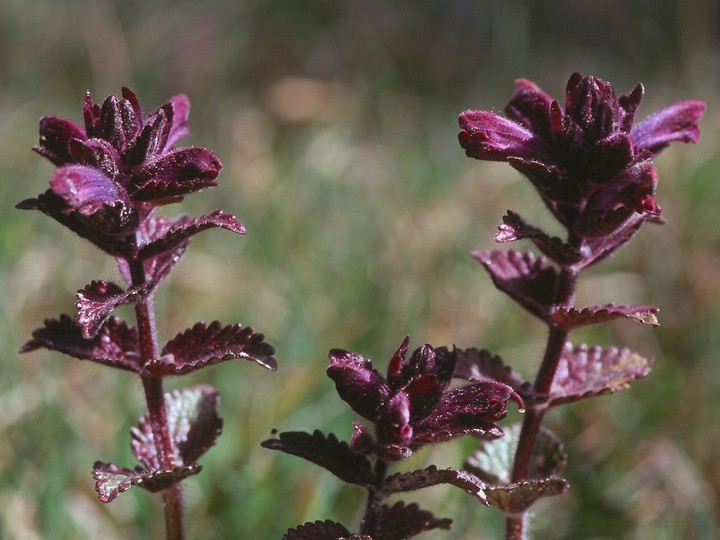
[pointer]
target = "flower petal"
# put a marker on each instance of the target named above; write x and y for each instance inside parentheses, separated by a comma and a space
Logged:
(86, 189)
(180, 112)
(485, 135)
(675, 123)
(530, 106)
(175, 173)
(360, 386)
(467, 410)
(55, 136)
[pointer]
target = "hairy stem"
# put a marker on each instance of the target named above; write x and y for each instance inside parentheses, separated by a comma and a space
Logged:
(157, 410)
(557, 337)
(369, 524)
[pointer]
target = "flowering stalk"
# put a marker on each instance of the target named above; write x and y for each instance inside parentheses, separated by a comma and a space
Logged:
(593, 170)
(412, 407)
(112, 175)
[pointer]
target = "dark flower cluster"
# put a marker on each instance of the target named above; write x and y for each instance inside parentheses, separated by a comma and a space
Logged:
(414, 405)
(112, 174)
(589, 163)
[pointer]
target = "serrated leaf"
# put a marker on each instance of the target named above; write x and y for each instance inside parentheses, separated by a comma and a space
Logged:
(526, 278)
(201, 346)
(570, 318)
(327, 452)
(111, 480)
(432, 476)
(98, 299)
(480, 365)
(116, 345)
(185, 227)
(585, 372)
(493, 462)
(514, 228)
(516, 498)
(193, 423)
(320, 530)
(401, 521)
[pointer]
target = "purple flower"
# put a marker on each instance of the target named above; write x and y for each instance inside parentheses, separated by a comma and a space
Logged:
(116, 169)
(590, 164)
(413, 405)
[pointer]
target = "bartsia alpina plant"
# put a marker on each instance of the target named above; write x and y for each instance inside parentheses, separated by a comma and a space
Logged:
(413, 406)
(113, 173)
(592, 166)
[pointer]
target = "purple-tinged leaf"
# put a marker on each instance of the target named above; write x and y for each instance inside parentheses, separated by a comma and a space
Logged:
(526, 278)
(116, 345)
(599, 247)
(97, 301)
(401, 521)
(481, 365)
(514, 228)
(193, 423)
(202, 346)
(432, 476)
(516, 498)
(592, 371)
(176, 173)
(185, 227)
(320, 530)
(111, 480)
(159, 266)
(327, 452)
(570, 318)
(493, 462)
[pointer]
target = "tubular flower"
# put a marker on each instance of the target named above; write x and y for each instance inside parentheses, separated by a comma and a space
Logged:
(413, 406)
(590, 164)
(113, 171)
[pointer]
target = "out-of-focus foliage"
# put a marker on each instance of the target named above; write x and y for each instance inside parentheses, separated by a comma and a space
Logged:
(336, 122)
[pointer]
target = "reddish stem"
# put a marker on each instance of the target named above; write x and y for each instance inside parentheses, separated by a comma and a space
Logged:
(557, 337)
(157, 410)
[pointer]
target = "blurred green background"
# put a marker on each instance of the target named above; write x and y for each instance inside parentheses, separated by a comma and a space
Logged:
(336, 122)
